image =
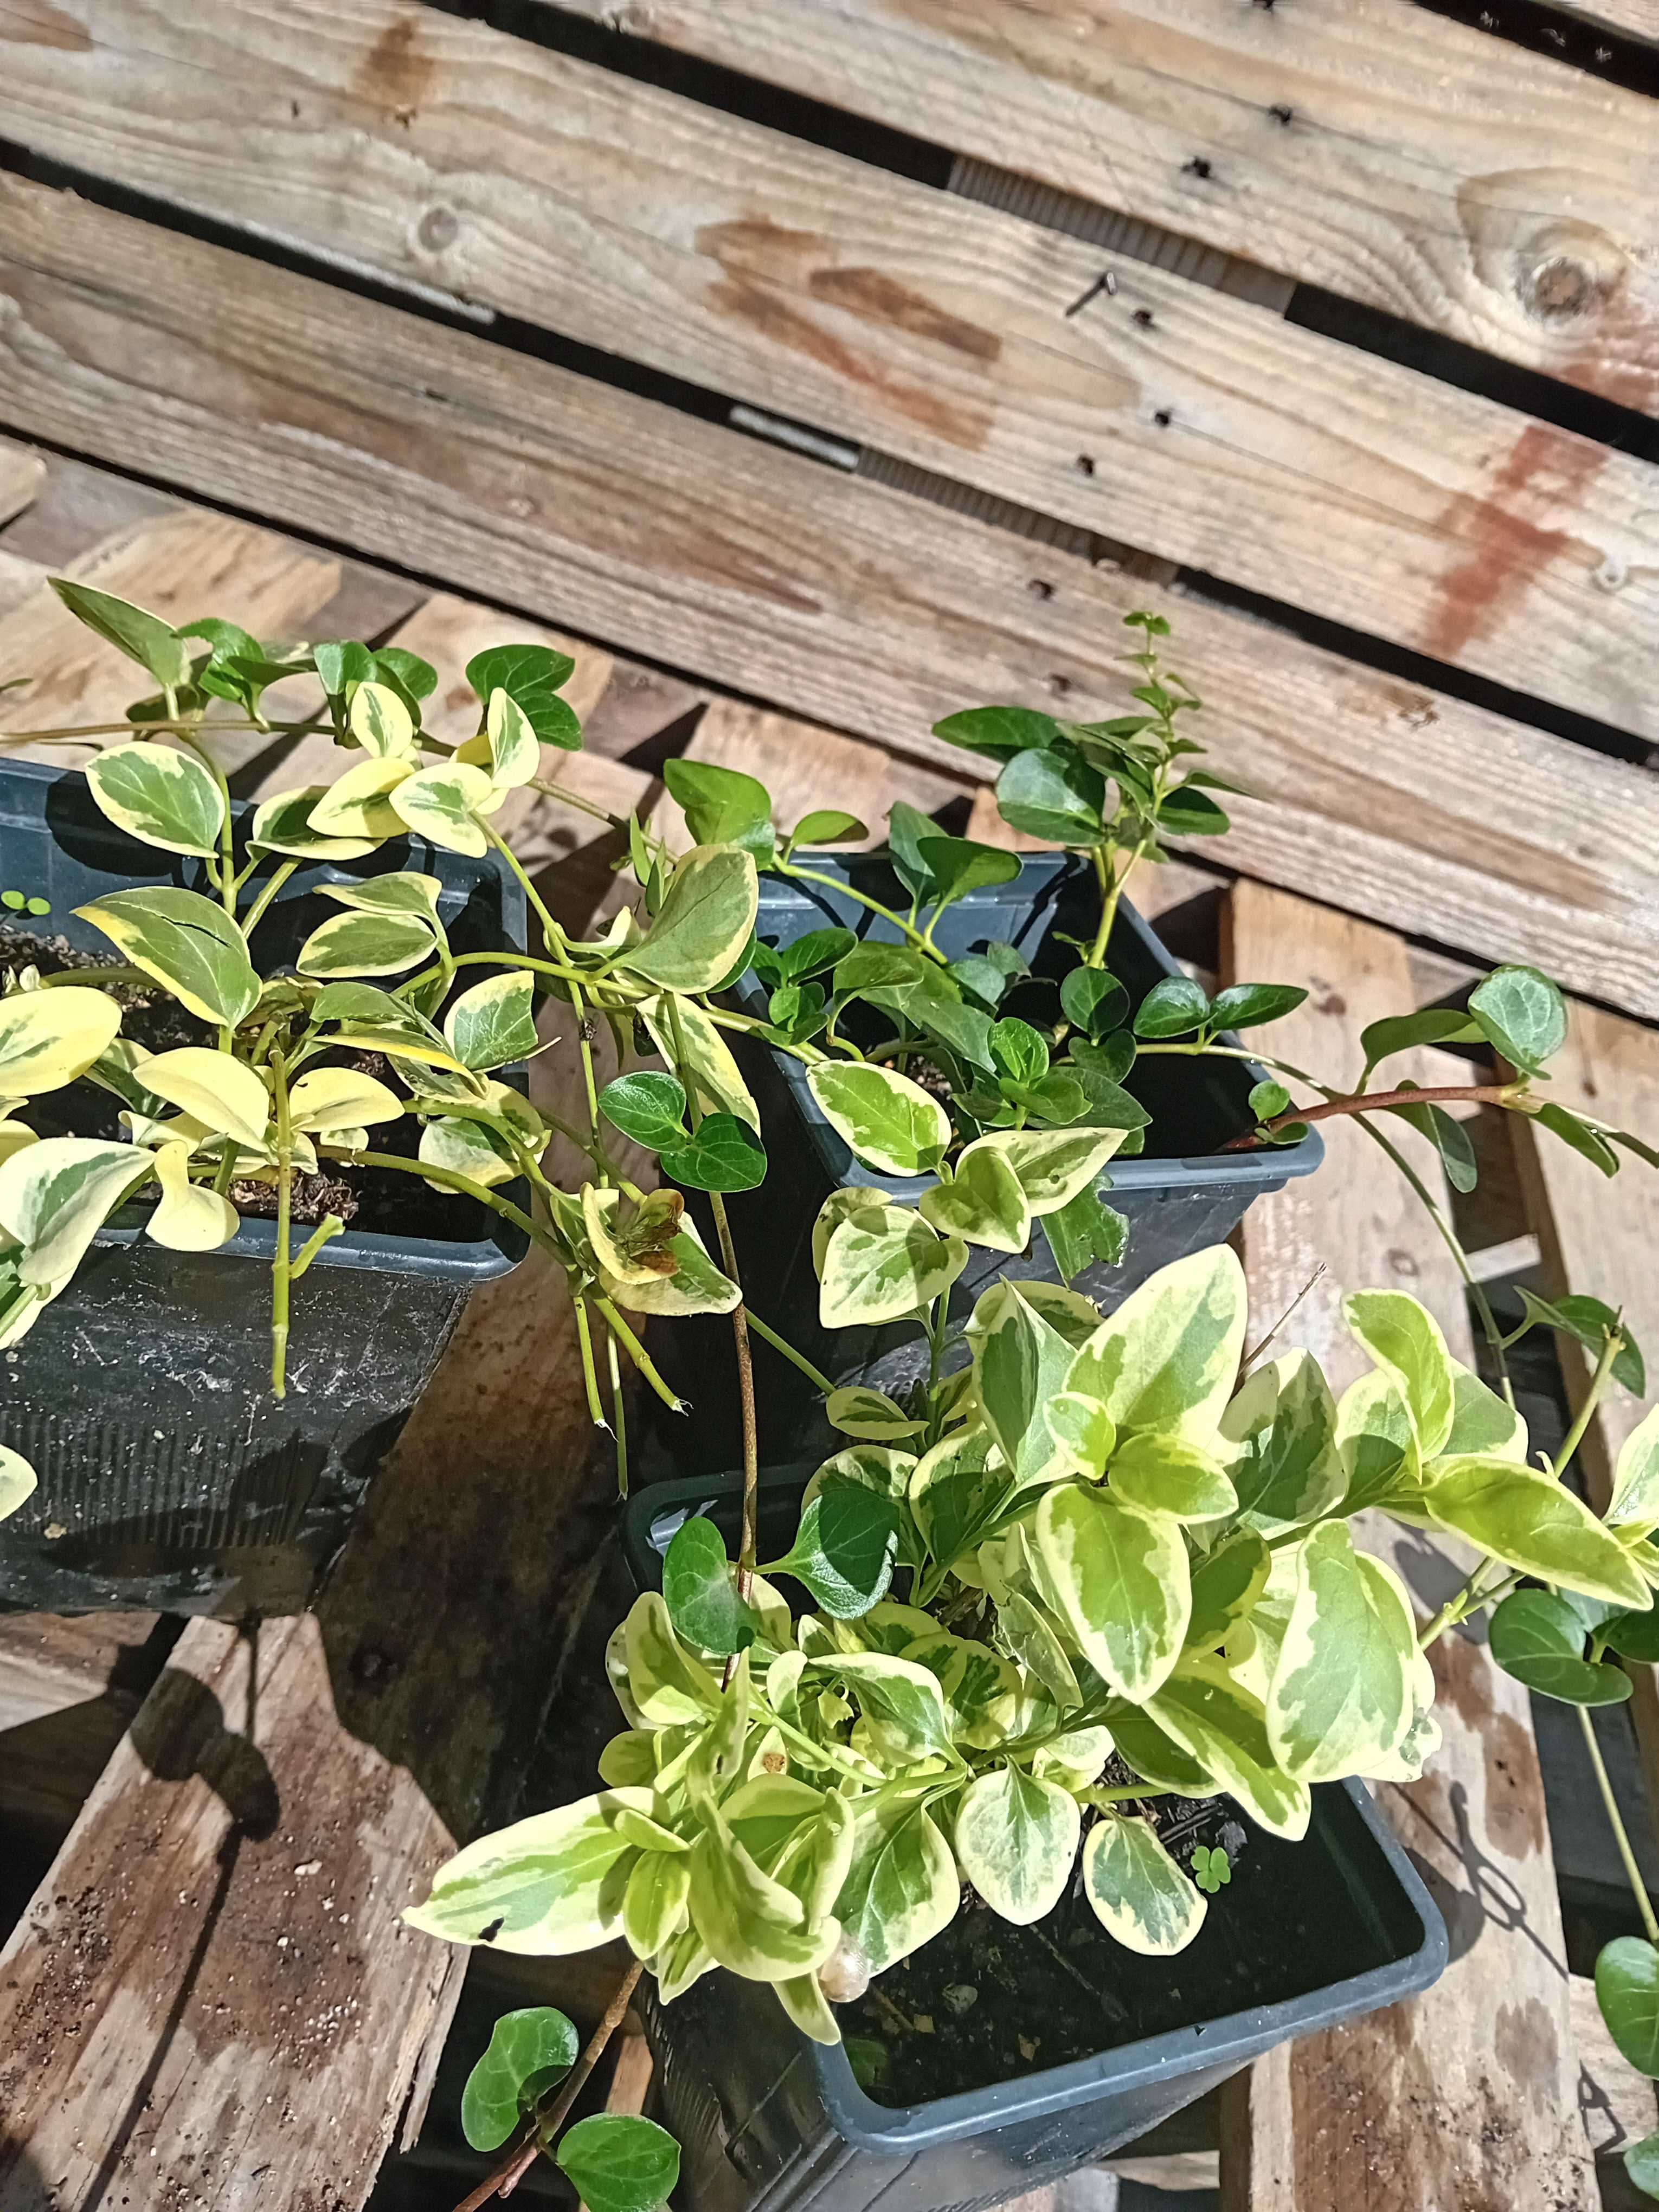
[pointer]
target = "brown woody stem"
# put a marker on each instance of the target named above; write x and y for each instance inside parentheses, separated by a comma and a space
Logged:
(1375, 1102)
(549, 2115)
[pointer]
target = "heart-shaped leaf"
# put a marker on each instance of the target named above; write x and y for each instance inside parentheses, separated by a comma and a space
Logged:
(529, 2051)
(532, 677)
(159, 794)
(185, 942)
(700, 1593)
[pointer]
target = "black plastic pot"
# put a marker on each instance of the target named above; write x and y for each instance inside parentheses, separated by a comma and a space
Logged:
(1183, 1195)
(169, 1476)
(767, 2119)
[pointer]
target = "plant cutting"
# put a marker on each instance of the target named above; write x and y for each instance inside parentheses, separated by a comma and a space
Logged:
(1104, 1572)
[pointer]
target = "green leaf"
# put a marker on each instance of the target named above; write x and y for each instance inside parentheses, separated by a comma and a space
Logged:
(1021, 1362)
(185, 942)
(1248, 1006)
(1532, 1522)
(1449, 1138)
(1026, 1631)
(1405, 1340)
(704, 924)
(1168, 1474)
(1226, 1584)
(1539, 1639)
(358, 804)
(381, 722)
(442, 804)
(722, 1154)
(698, 1588)
(1218, 1723)
(57, 1195)
(532, 676)
(1055, 795)
(889, 1122)
(1167, 1357)
(882, 1262)
(845, 1548)
(958, 865)
(1627, 1991)
(416, 678)
(405, 890)
(159, 794)
(654, 1901)
(1588, 1143)
(1018, 1052)
(545, 1886)
(143, 637)
(1190, 813)
(1641, 2163)
(514, 753)
(906, 827)
(283, 824)
(529, 2052)
(902, 1888)
(1342, 1692)
(1118, 1578)
(1051, 1166)
(365, 945)
(1083, 1232)
(1171, 1008)
(1093, 1001)
(812, 954)
(1634, 1509)
(1017, 1840)
(646, 1106)
(1288, 1468)
(935, 1006)
(827, 825)
(48, 1038)
(217, 1090)
(1590, 1321)
(341, 662)
(1521, 1014)
(1404, 1032)
(721, 805)
(1268, 1100)
(1135, 1889)
(494, 1023)
(999, 732)
(619, 2162)
(870, 1415)
(982, 1203)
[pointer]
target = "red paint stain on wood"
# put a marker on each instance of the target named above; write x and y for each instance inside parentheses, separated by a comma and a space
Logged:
(867, 292)
(1506, 551)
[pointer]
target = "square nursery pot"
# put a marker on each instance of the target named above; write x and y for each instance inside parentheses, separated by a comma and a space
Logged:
(1183, 1195)
(169, 1476)
(1306, 1935)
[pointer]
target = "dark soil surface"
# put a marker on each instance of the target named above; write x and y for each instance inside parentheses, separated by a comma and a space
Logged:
(373, 1199)
(986, 2002)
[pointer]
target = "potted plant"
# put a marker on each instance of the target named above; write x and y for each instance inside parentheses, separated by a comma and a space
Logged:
(914, 1011)
(264, 1122)
(1069, 1727)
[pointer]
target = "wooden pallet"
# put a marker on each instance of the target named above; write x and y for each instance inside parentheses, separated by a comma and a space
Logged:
(949, 336)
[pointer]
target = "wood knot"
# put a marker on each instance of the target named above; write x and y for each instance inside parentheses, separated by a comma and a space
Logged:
(1559, 288)
(440, 226)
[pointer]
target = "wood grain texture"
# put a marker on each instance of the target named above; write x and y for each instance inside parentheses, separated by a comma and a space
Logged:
(1464, 2099)
(1640, 18)
(618, 518)
(473, 165)
(1599, 1236)
(180, 565)
(212, 2002)
(1366, 146)
(22, 475)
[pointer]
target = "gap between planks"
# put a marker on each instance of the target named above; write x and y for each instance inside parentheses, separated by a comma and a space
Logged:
(886, 614)
(1195, 424)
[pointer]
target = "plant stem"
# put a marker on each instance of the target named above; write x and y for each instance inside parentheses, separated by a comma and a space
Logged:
(862, 898)
(1593, 1396)
(549, 2115)
(590, 1373)
(281, 1266)
(255, 914)
(619, 1411)
(1127, 1794)
(637, 1353)
(1639, 1887)
(797, 1358)
(1486, 1094)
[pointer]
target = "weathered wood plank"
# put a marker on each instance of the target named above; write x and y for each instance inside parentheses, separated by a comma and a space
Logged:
(1640, 18)
(1619, 2104)
(1367, 146)
(1465, 2096)
(887, 311)
(1599, 1236)
(212, 1997)
(22, 475)
(665, 535)
(68, 1691)
(180, 565)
